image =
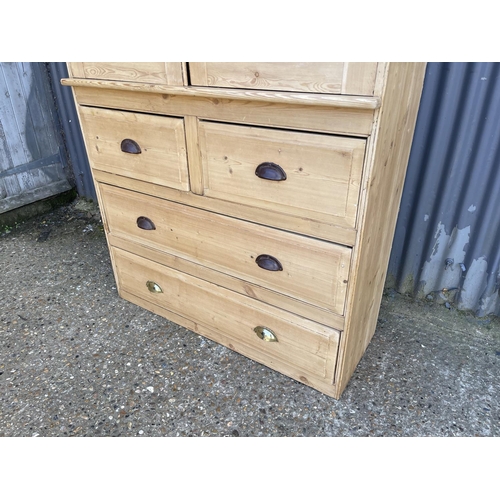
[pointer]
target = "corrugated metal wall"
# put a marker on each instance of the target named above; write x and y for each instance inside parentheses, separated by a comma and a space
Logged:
(73, 135)
(447, 240)
(33, 160)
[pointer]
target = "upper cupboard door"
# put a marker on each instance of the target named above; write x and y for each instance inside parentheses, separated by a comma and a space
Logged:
(139, 72)
(317, 77)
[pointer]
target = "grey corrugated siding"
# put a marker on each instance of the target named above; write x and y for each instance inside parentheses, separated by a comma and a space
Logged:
(73, 135)
(448, 230)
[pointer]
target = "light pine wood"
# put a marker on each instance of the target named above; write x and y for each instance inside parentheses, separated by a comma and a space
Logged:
(323, 172)
(349, 121)
(300, 343)
(314, 271)
(162, 141)
(193, 149)
(380, 79)
(142, 72)
(185, 74)
(335, 101)
(315, 77)
(76, 70)
(256, 353)
(175, 74)
(198, 73)
(332, 225)
(300, 225)
(359, 78)
(383, 184)
(257, 292)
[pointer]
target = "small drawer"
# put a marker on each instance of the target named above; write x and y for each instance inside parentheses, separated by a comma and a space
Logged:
(316, 77)
(139, 72)
(310, 176)
(306, 269)
(144, 147)
(297, 342)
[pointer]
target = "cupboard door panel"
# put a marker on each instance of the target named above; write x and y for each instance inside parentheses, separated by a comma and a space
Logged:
(315, 77)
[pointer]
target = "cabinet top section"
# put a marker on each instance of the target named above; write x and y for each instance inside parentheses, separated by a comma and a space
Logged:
(349, 85)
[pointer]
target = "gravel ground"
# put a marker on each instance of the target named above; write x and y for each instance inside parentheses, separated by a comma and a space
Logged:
(76, 360)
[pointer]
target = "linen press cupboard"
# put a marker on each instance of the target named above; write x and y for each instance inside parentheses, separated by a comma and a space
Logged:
(253, 203)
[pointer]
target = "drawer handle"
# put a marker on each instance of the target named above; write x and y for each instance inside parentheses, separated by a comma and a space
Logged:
(154, 287)
(130, 146)
(265, 334)
(270, 171)
(145, 223)
(269, 263)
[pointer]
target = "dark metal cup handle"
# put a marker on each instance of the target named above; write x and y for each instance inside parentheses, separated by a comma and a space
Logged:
(270, 171)
(130, 146)
(145, 223)
(269, 263)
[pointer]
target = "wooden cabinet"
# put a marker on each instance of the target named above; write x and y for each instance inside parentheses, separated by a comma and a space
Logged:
(254, 203)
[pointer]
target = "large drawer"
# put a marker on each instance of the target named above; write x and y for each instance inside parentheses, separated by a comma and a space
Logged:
(306, 269)
(141, 72)
(305, 175)
(145, 147)
(300, 342)
(317, 77)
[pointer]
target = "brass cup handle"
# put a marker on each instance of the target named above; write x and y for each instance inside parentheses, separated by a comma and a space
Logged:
(154, 287)
(265, 334)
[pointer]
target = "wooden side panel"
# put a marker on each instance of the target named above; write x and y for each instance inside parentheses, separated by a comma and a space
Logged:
(383, 185)
(146, 72)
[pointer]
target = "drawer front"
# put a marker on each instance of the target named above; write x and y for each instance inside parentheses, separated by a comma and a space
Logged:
(140, 72)
(316, 77)
(144, 147)
(321, 173)
(300, 342)
(306, 269)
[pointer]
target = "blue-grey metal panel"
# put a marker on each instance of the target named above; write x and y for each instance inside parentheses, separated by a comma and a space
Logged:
(447, 240)
(73, 135)
(32, 154)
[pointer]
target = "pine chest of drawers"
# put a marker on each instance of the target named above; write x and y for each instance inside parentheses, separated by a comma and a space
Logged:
(254, 203)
